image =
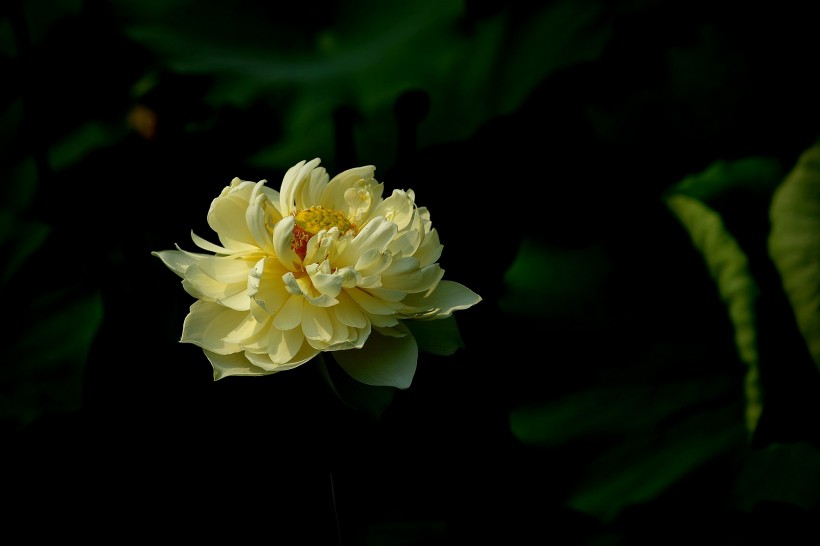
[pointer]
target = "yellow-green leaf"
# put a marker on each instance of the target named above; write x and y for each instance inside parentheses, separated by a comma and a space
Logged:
(728, 267)
(794, 244)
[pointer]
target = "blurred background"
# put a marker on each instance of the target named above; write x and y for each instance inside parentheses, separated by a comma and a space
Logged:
(632, 186)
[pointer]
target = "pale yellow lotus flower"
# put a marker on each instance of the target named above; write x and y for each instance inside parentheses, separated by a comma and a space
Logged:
(321, 265)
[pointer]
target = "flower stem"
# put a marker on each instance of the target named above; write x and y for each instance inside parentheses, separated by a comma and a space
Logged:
(335, 511)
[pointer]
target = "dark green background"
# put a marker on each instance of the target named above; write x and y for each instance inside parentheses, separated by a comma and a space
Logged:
(601, 394)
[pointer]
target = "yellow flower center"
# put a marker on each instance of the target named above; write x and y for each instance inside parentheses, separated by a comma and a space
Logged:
(311, 221)
(315, 219)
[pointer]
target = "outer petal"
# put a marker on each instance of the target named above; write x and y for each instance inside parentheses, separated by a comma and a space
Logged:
(232, 364)
(227, 216)
(208, 324)
(211, 247)
(176, 260)
(448, 296)
(382, 361)
(221, 279)
(263, 360)
(429, 250)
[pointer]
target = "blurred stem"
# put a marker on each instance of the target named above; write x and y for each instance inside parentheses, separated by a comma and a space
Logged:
(335, 511)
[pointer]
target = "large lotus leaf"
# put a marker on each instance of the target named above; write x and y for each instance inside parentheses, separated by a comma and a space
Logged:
(640, 468)
(610, 410)
(728, 267)
(364, 55)
(794, 243)
(649, 436)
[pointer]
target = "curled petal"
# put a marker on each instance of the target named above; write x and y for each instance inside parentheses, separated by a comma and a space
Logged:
(319, 247)
(377, 234)
(292, 185)
(373, 262)
(282, 238)
(350, 277)
(329, 284)
(398, 208)
(256, 218)
(364, 190)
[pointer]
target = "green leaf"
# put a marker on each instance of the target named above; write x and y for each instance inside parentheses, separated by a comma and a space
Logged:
(364, 55)
(439, 337)
(640, 468)
(87, 138)
(728, 266)
(785, 472)
(649, 436)
(610, 410)
(754, 174)
(549, 281)
(368, 399)
(19, 239)
(794, 244)
(43, 366)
